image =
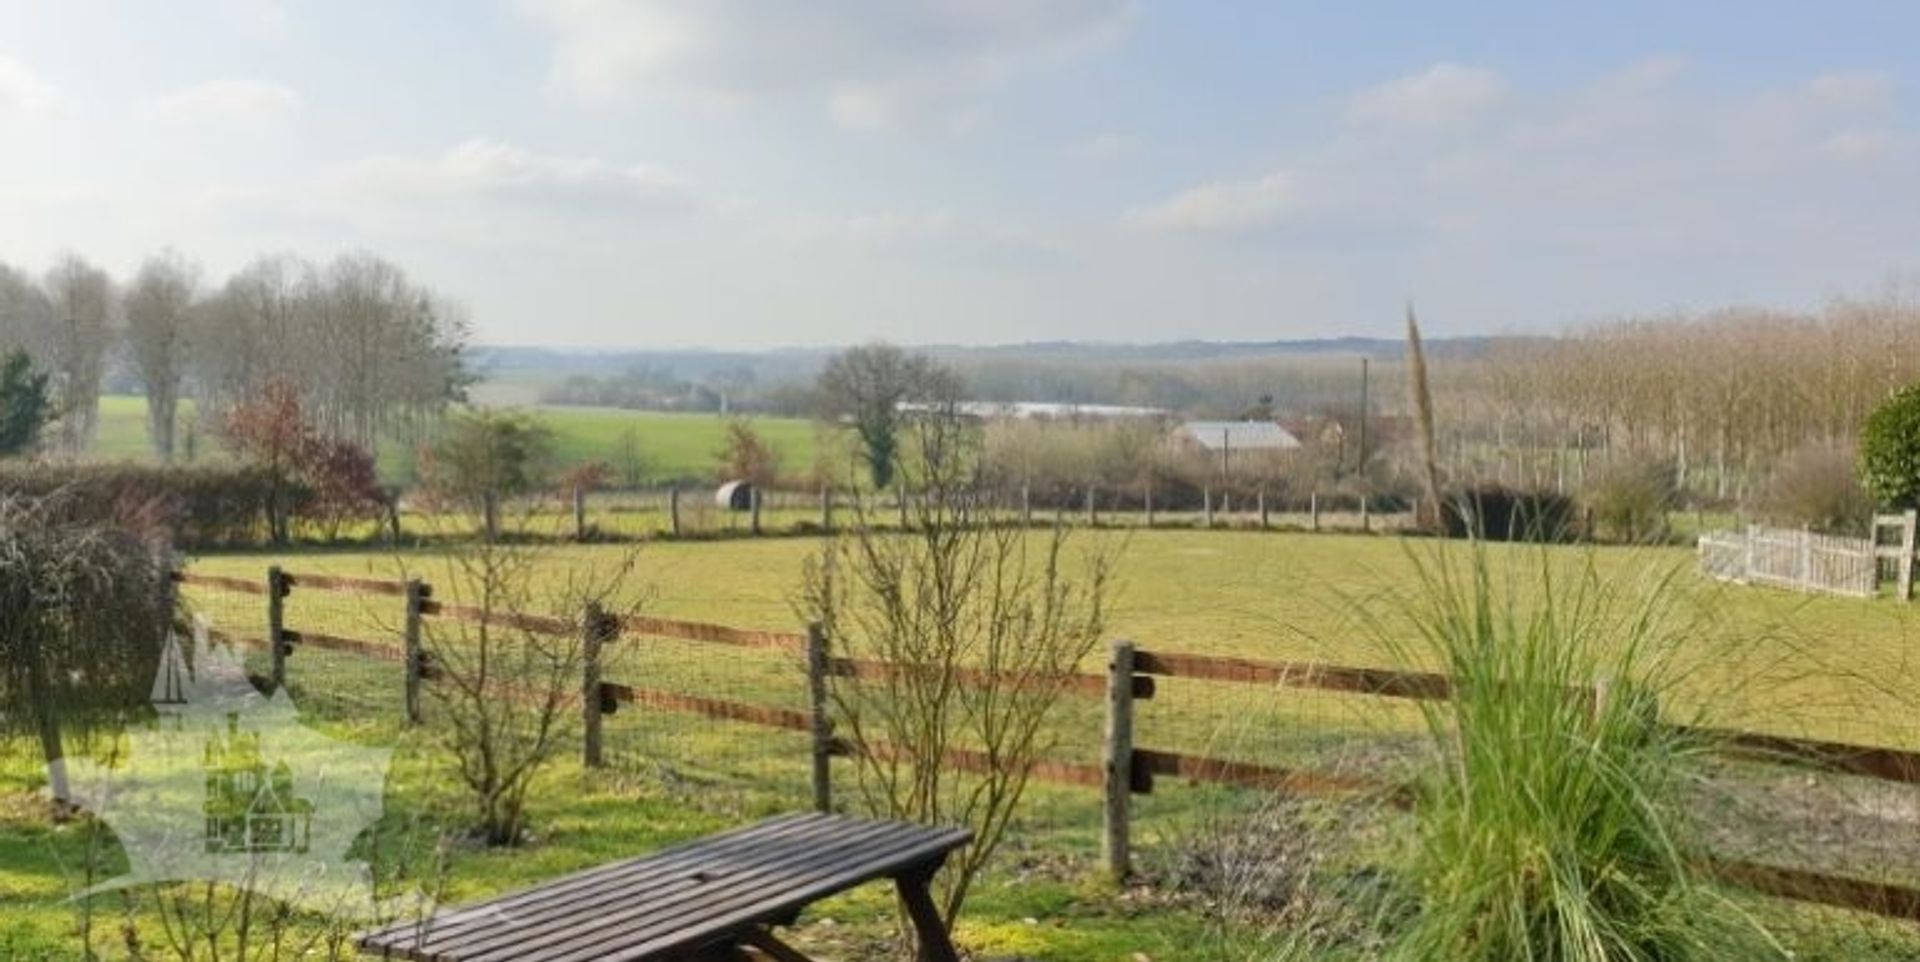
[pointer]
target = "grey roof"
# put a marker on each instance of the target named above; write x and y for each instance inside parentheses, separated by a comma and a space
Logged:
(1240, 435)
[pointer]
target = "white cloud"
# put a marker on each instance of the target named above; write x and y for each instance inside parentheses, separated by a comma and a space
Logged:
(1224, 206)
(868, 63)
(23, 91)
(226, 99)
(1852, 90)
(481, 167)
(1859, 144)
(1444, 95)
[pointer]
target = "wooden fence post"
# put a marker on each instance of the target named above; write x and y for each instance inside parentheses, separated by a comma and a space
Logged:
(821, 721)
(597, 629)
(1206, 505)
(1149, 504)
(1366, 514)
(1262, 501)
(1911, 519)
(753, 506)
(826, 507)
(1117, 838)
(1093, 516)
(1806, 557)
(579, 513)
(1313, 511)
(277, 589)
(490, 515)
(1026, 505)
(417, 592)
(673, 511)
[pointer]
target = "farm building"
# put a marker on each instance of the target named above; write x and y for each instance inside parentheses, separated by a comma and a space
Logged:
(1237, 436)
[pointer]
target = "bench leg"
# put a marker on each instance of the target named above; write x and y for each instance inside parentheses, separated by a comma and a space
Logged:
(935, 944)
(764, 942)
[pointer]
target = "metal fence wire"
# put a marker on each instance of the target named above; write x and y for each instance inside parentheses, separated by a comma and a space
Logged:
(1200, 763)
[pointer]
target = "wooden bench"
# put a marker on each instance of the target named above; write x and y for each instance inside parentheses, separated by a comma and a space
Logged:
(716, 898)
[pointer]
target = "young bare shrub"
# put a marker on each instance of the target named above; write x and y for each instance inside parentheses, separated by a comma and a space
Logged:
(976, 626)
(1818, 486)
(507, 673)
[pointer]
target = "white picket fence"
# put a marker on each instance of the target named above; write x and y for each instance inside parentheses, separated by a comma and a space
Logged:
(1795, 559)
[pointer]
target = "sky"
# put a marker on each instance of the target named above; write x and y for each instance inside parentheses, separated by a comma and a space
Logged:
(759, 173)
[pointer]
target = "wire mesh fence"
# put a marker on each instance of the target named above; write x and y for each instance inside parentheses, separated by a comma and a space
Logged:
(722, 717)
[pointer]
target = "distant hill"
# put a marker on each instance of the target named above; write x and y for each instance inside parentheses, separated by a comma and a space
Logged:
(1192, 376)
(520, 363)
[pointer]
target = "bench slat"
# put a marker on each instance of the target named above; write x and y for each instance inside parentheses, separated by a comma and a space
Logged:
(694, 917)
(655, 890)
(446, 923)
(694, 895)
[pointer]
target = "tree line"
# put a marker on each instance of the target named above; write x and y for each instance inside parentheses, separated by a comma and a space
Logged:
(1720, 398)
(366, 349)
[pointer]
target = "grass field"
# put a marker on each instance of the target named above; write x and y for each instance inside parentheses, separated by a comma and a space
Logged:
(1771, 661)
(669, 447)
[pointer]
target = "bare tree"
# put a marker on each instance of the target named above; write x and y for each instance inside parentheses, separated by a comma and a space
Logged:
(868, 387)
(75, 348)
(25, 313)
(369, 351)
(159, 309)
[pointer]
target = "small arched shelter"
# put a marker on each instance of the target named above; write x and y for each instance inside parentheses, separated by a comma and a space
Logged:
(734, 496)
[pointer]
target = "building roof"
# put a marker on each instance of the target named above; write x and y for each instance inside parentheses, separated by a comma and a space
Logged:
(1240, 435)
(993, 410)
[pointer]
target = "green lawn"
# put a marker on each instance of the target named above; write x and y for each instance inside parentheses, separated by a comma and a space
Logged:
(668, 447)
(1828, 667)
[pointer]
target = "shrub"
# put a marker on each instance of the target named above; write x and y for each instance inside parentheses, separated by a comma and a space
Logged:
(1630, 498)
(308, 475)
(1890, 449)
(1817, 486)
(504, 453)
(747, 456)
(202, 507)
(1496, 513)
(83, 617)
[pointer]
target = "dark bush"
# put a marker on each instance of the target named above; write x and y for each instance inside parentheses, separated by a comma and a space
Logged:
(1630, 497)
(1497, 513)
(1890, 449)
(202, 507)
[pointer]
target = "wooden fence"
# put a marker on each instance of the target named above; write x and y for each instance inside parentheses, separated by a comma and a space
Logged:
(1126, 768)
(683, 512)
(1801, 560)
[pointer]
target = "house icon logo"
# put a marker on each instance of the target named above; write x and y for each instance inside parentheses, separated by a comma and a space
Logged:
(227, 785)
(249, 807)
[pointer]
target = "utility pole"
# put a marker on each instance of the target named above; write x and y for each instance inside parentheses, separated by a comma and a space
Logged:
(1363, 415)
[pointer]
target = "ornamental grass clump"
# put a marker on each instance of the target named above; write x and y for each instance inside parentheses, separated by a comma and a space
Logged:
(1553, 823)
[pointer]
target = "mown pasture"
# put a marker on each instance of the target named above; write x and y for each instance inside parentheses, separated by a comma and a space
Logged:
(655, 447)
(1772, 661)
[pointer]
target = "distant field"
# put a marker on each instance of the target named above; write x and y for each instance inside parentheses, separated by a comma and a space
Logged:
(670, 446)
